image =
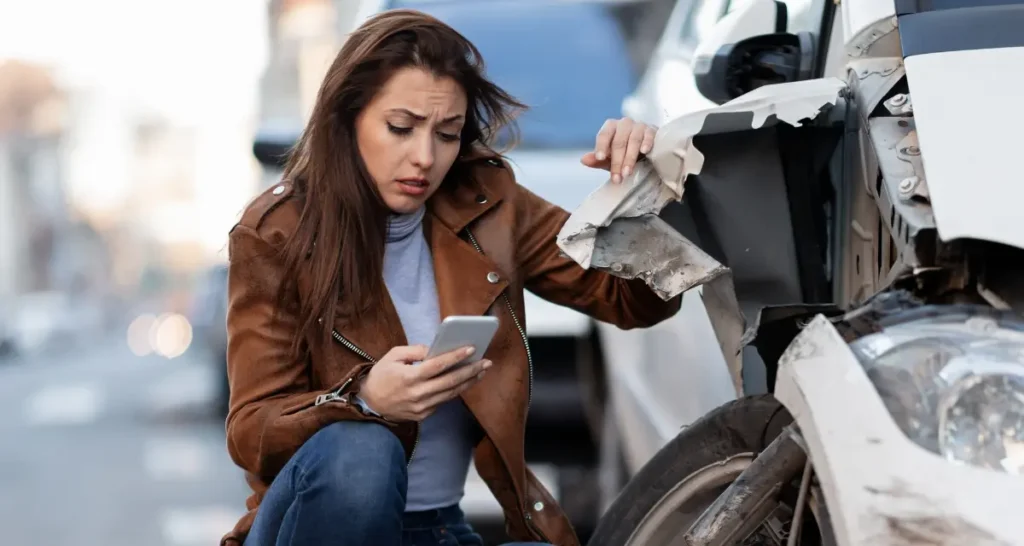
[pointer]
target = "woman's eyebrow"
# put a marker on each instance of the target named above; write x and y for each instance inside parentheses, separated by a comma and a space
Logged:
(420, 117)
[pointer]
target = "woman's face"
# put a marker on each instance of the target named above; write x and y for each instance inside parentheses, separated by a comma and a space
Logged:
(409, 136)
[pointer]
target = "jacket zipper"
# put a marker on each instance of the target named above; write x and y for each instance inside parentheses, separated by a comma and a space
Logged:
(529, 361)
(337, 395)
(352, 347)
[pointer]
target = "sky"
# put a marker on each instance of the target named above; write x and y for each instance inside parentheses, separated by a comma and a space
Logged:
(185, 58)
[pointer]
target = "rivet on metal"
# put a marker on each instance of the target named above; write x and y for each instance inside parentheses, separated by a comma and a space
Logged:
(907, 185)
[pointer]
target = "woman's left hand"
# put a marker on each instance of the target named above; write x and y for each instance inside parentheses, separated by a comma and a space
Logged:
(619, 144)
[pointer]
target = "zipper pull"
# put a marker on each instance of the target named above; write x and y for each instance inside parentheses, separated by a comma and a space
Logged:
(326, 397)
(333, 395)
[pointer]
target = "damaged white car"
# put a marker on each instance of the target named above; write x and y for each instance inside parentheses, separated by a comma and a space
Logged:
(888, 315)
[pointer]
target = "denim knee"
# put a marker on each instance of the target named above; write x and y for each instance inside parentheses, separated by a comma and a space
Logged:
(359, 466)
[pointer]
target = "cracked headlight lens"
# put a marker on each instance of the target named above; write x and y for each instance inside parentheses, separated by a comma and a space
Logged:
(955, 385)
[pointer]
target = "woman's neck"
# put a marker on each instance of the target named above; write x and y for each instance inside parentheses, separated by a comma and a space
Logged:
(401, 226)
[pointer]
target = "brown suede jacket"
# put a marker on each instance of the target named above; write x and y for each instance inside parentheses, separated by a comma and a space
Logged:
(491, 239)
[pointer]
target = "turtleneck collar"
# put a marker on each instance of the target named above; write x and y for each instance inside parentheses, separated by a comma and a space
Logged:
(401, 226)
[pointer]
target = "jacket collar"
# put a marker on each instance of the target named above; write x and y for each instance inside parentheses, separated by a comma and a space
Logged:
(457, 205)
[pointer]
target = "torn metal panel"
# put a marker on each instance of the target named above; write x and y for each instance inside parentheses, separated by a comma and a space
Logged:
(642, 194)
(646, 247)
(719, 297)
(789, 102)
(658, 179)
(616, 228)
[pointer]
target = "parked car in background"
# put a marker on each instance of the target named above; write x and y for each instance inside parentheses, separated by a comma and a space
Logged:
(208, 316)
(7, 348)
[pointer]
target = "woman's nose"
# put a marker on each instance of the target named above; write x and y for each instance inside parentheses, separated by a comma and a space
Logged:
(423, 154)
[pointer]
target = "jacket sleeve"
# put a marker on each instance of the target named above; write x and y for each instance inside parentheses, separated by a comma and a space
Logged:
(558, 279)
(273, 410)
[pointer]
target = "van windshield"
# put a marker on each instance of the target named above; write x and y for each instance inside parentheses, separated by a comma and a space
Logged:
(568, 61)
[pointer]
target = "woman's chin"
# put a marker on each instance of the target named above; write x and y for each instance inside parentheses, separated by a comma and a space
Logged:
(403, 204)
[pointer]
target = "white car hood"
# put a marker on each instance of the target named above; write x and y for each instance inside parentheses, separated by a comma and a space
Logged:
(969, 118)
(559, 177)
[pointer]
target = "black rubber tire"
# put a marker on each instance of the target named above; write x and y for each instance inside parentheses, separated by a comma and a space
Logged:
(746, 425)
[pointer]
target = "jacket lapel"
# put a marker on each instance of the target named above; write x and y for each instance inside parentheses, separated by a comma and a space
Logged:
(468, 282)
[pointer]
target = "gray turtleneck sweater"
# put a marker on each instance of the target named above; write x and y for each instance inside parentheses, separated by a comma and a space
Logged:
(438, 470)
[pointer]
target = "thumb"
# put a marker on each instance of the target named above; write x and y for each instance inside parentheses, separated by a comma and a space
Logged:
(407, 353)
(590, 159)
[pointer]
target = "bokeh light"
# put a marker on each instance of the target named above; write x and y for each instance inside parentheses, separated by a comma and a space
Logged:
(138, 334)
(171, 335)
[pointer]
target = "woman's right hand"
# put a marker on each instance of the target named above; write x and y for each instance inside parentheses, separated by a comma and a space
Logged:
(399, 391)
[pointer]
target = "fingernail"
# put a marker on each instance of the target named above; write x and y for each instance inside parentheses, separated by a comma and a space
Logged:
(600, 156)
(468, 351)
(626, 171)
(487, 364)
(645, 150)
(616, 178)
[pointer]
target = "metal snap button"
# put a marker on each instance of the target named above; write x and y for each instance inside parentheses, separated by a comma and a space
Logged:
(538, 506)
(493, 277)
(481, 198)
(279, 190)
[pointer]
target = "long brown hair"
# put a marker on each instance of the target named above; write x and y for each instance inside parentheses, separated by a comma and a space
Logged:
(340, 237)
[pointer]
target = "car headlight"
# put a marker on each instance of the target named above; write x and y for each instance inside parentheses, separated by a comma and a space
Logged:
(954, 384)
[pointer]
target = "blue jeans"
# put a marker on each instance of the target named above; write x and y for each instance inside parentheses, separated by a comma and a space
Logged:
(346, 487)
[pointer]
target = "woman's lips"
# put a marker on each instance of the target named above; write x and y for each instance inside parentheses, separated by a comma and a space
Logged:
(413, 187)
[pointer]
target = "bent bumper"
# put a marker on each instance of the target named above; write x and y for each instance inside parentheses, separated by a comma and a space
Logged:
(880, 487)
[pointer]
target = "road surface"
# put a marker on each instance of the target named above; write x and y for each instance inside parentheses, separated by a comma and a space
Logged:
(104, 448)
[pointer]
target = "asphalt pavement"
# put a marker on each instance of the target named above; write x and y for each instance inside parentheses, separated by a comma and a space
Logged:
(101, 447)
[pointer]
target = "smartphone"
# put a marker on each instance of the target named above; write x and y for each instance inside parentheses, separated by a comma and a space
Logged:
(464, 331)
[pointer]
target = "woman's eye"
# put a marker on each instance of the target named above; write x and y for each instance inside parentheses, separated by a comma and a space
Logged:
(399, 130)
(448, 137)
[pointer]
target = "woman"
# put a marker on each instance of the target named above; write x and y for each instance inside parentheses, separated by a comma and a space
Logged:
(394, 213)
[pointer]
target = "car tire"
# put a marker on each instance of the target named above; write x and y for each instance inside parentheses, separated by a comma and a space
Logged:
(744, 426)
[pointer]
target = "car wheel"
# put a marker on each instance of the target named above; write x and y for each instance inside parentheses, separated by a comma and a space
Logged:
(673, 489)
